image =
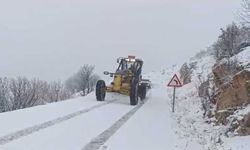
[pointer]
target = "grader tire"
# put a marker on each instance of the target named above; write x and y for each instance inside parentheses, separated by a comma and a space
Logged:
(100, 90)
(142, 91)
(134, 94)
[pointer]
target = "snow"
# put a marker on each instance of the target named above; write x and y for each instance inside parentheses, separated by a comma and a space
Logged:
(191, 130)
(237, 143)
(152, 126)
(191, 124)
(149, 128)
(20, 119)
(203, 66)
(239, 114)
(243, 57)
(73, 134)
(189, 114)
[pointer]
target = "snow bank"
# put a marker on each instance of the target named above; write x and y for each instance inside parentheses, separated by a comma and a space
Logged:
(189, 112)
(243, 57)
(188, 121)
(239, 114)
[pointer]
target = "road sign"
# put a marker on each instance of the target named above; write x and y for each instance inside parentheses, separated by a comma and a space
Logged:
(175, 82)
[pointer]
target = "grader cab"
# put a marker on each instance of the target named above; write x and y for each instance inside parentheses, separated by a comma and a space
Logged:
(127, 80)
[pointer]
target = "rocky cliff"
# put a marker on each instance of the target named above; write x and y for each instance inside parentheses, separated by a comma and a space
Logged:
(232, 81)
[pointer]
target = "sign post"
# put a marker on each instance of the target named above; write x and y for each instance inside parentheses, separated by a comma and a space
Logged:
(173, 100)
(174, 82)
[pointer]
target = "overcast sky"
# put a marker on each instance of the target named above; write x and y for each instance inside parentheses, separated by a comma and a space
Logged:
(51, 39)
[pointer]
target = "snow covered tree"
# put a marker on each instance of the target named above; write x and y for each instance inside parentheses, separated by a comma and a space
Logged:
(19, 93)
(185, 73)
(83, 81)
(244, 38)
(4, 95)
(244, 14)
(230, 41)
(84, 76)
(72, 85)
(57, 92)
(92, 83)
(25, 93)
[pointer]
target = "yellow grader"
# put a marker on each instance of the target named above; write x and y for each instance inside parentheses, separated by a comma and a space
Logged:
(127, 80)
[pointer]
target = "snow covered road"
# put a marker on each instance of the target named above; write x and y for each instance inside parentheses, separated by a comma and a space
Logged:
(74, 133)
(25, 118)
(85, 124)
(151, 128)
(27, 131)
(97, 142)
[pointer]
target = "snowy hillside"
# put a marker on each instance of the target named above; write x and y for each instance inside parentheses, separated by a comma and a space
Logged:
(83, 123)
(192, 124)
(243, 58)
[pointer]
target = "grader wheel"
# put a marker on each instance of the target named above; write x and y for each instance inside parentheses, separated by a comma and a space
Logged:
(134, 94)
(142, 91)
(100, 90)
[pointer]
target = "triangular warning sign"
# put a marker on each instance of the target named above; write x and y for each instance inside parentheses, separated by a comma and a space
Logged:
(175, 82)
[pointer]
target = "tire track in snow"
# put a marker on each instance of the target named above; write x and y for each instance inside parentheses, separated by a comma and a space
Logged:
(102, 138)
(30, 130)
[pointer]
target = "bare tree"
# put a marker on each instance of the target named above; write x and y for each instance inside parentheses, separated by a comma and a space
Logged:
(44, 89)
(244, 14)
(72, 85)
(185, 73)
(83, 81)
(229, 42)
(4, 95)
(19, 93)
(92, 83)
(84, 75)
(25, 93)
(28, 93)
(57, 92)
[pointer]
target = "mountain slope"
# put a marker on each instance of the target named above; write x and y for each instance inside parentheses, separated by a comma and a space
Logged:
(84, 123)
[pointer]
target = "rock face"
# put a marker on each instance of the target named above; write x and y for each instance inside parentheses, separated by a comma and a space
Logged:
(235, 93)
(223, 72)
(220, 72)
(232, 83)
(244, 128)
(221, 116)
(233, 90)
